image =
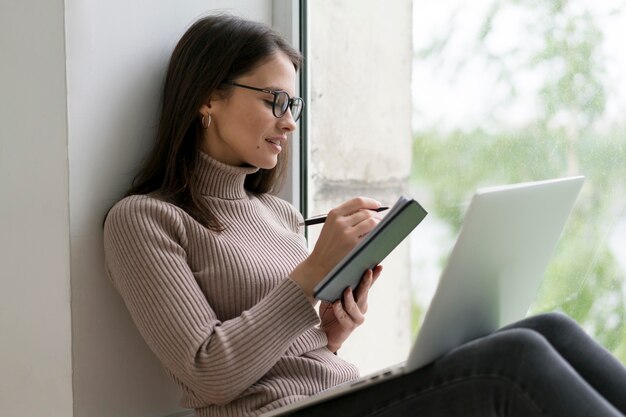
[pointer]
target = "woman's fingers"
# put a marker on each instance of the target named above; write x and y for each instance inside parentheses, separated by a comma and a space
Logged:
(358, 224)
(362, 290)
(348, 311)
(376, 272)
(364, 227)
(345, 225)
(353, 205)
(360, 216)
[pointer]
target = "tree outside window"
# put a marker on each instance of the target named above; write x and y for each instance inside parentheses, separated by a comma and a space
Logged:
(509, 91)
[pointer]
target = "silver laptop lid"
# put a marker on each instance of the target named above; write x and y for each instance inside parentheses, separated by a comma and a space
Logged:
(507, 239)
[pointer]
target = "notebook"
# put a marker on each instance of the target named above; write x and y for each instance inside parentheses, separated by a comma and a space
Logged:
(492, 274)
(402, 218)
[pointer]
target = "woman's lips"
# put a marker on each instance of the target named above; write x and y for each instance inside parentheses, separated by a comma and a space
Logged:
(276, 142)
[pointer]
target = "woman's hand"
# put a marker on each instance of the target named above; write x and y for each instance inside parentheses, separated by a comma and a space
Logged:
(344, 227)
(339, 319)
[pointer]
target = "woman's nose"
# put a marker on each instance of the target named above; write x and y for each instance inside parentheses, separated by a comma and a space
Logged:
(286, 121)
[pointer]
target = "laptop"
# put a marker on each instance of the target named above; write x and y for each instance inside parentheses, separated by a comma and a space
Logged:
(492, 275)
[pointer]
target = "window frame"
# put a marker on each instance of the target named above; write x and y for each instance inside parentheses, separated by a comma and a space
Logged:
(290, 19)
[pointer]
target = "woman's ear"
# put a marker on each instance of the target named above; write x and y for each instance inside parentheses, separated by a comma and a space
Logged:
(205, 109)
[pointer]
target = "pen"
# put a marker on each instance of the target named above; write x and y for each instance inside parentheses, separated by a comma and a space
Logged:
(322, 218)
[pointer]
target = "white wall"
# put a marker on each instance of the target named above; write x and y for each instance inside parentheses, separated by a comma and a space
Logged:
(66, 155)
(35, 322)
(116, 56)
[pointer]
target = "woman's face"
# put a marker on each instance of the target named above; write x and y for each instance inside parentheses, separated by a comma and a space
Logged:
(243, 129)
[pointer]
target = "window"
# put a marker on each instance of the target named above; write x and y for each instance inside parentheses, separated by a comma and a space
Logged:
(508, 91)
(437, 100)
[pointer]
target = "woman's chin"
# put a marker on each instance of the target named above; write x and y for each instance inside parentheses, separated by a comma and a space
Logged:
(267, 164)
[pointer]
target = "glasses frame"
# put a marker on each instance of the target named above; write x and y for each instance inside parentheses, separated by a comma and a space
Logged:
(280, 113)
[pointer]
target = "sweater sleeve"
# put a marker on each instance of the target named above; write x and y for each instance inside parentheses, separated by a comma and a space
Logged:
(146, 261)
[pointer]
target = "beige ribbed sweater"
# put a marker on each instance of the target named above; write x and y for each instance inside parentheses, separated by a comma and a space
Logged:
(218, 309)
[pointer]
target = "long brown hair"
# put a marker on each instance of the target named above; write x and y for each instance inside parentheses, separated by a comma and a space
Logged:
(214, 49)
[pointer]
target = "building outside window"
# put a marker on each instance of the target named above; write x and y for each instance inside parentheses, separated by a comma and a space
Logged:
(433, 101)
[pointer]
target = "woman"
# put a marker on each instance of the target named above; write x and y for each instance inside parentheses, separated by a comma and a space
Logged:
(216, 275)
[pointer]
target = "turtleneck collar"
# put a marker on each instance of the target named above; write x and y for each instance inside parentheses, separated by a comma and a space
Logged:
(220, 180)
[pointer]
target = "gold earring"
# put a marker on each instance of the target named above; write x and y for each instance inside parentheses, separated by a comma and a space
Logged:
(205, 123)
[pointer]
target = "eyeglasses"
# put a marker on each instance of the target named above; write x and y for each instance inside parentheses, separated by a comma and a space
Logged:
(282, 101)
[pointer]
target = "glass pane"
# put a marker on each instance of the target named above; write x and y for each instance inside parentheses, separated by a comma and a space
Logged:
(508, 91)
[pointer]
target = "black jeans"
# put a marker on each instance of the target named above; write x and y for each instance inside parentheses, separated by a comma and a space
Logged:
(541, 366)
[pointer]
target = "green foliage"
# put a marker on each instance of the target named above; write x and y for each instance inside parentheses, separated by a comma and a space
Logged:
(584, 279)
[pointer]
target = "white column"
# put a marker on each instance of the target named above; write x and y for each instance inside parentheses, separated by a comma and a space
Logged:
(360, 143)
